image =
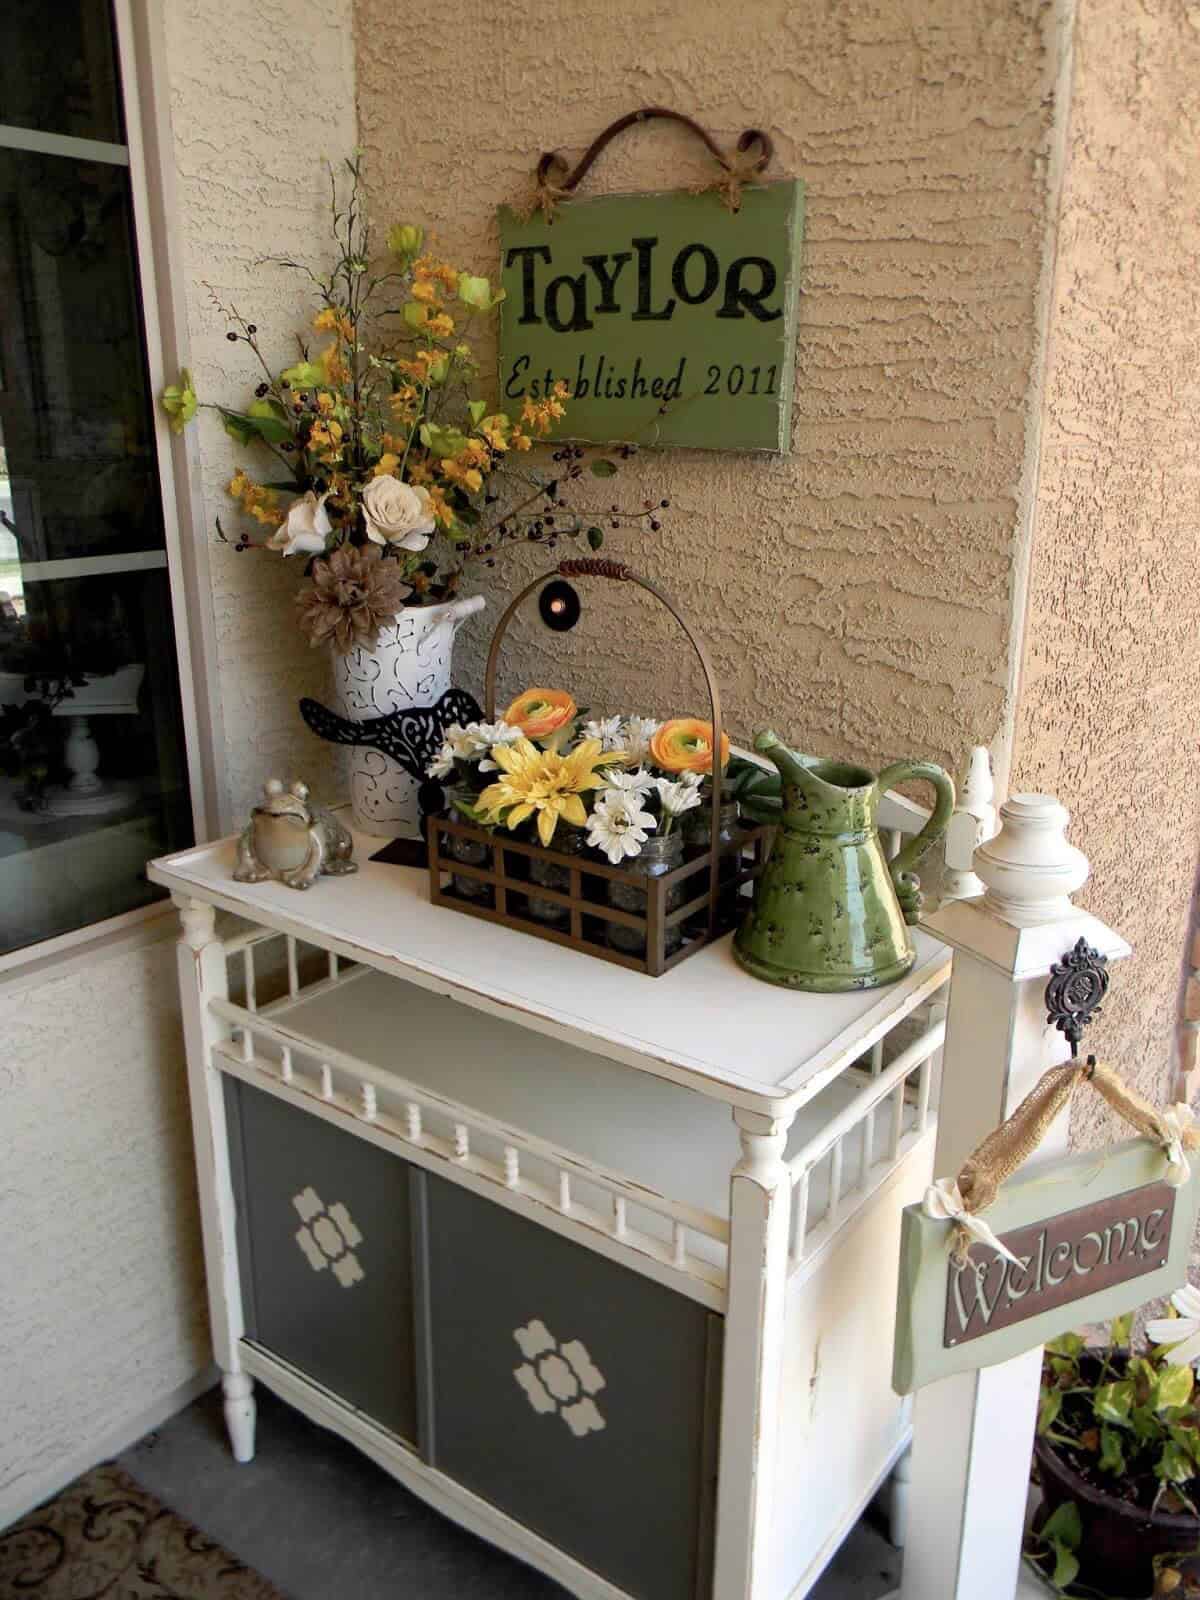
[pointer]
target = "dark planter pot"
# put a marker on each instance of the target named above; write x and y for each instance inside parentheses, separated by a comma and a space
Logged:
(1116, 1555)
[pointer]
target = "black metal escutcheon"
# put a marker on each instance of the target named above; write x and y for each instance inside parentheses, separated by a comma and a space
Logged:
(1078, 984)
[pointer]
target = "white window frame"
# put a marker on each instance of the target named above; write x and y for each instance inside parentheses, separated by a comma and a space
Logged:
(149, 154)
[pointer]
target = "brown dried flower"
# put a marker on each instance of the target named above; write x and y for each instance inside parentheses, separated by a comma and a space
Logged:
(351, 596)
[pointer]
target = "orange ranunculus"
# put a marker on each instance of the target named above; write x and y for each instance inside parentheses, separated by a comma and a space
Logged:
(539, 712)
(685, 745)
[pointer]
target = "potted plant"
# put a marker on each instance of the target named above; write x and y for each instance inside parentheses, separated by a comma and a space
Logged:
(1118, 1457)
(378, 462)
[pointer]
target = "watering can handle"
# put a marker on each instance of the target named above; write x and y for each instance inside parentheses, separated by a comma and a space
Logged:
(901, 865)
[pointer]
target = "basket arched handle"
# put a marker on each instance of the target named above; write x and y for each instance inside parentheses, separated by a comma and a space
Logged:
(618, 572)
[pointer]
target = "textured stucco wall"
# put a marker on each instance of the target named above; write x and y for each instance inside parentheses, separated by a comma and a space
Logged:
(1111, 682)
(100, 1252)
(858, 593)
(262, 91)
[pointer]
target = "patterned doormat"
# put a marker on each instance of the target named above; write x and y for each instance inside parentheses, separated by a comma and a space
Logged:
(104, 1538)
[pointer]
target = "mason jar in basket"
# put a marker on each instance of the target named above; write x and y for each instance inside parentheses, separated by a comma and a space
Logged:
(661, 853)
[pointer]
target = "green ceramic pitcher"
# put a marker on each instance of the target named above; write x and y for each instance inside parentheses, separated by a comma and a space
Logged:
(830, 911)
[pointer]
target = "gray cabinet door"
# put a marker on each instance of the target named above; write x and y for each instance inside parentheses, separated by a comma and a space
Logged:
(574, 1394)
(325, 1241)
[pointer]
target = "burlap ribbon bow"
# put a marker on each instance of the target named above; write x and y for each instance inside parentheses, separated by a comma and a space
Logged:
(1011, 1144)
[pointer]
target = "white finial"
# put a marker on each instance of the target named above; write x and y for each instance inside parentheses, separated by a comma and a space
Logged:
(973, 824)
(1029, 869)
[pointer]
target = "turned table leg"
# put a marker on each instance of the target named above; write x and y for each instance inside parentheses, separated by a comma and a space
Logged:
(203, 977)
(240, 1413)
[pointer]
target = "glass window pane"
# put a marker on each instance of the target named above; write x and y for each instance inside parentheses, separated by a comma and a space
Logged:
(93, 779)
(74, 409)
(58, 69)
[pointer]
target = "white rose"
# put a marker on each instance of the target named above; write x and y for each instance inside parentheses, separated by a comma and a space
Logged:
(397, 513)
(306, 528)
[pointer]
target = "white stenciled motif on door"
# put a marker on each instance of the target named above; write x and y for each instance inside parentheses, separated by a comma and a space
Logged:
(559, 1378)
(328, 1237)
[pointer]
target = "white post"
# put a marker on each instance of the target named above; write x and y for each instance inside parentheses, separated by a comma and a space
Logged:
(973, 824)
(202, 977)
(760, 1216)
(973, 1433)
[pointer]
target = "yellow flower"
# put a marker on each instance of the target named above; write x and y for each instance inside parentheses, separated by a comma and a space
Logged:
(543, 783)
(426, 291)
(442, 510)
(325, 321)
(256, 501)
(440, 327)
(493, 430)
(519, 440)
(387, 464)
(470, 477)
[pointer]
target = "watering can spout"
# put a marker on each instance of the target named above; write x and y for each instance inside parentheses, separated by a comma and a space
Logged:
(793, 768)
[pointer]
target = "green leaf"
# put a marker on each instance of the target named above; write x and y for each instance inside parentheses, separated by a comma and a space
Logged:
(1112, 1451)
(604, 469)
(1120, 1330)
(1063, 1526)
(1064, 1367)
(442, 441)
(1146, 1423)
(1172, 1388)
(415, 314)
(1066, 1567)
(305, 375)
(477, 410)
(405, 239)
(1175, 1465)
(595, 537)
(1048, 1409)
(477, 292)
(179, 401)
(245, 428)
(1113, 1402)
(1067, 1344)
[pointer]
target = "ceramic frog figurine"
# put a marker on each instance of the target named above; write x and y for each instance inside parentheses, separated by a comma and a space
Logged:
(291, 838)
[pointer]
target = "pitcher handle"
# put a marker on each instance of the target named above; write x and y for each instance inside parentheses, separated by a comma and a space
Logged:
(907, 886)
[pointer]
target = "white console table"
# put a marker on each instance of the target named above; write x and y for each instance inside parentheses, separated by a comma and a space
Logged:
(601, 1266)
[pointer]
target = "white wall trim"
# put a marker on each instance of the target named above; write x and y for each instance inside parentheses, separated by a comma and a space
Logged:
(25, 1493)
(146, 81)
(98, 941)
(1061, 75)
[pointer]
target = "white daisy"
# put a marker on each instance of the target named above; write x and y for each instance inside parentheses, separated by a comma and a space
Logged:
(491, 734)
(676, 798)
(636, 736)
(619, 826)
(1183, 1331)
(634, 784)
(607, 730)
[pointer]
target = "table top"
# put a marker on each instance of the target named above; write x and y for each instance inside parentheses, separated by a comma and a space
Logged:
(705, 1024)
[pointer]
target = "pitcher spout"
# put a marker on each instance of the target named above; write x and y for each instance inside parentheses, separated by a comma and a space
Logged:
(793, 767)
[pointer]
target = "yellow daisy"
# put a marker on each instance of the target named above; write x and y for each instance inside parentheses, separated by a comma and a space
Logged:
(544, 783)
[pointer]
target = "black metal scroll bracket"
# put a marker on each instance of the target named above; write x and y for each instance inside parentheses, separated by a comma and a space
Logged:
(1078, 984)
(411, 737)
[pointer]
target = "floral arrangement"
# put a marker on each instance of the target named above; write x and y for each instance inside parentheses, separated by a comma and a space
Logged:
(399, 475)
(1127, 1423)
(542, 764)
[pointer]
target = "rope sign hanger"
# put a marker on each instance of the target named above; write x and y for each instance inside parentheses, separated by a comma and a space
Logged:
(557, 180)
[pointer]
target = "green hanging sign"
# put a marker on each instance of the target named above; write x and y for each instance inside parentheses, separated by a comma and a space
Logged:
(671, 317)
(1092, 1234)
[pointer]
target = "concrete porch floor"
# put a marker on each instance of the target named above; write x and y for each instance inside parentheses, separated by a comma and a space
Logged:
(324, 1523)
